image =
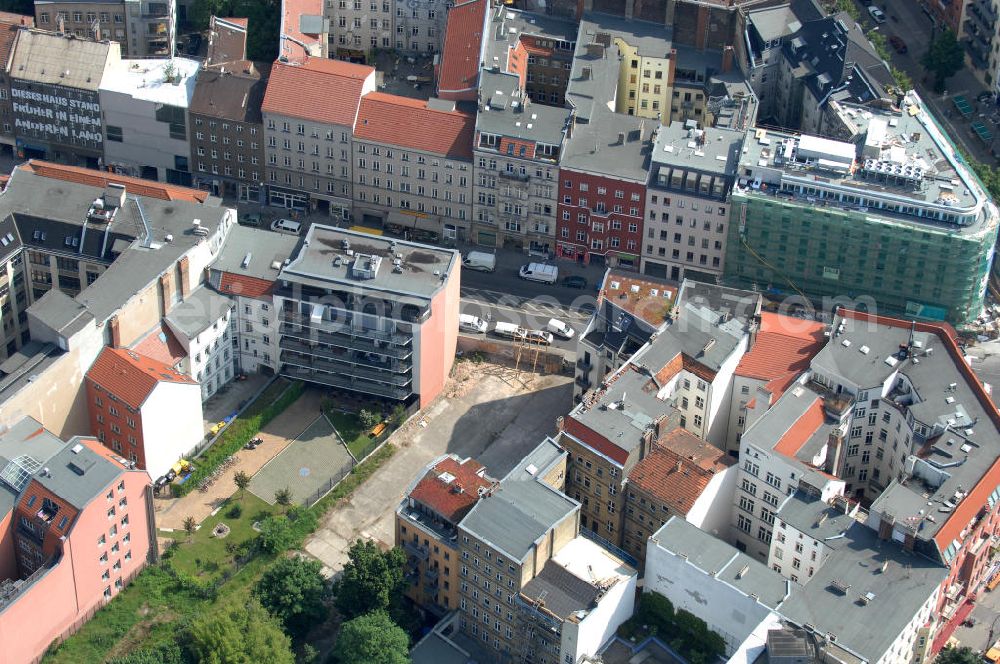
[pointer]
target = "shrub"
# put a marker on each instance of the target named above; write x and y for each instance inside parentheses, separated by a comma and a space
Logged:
(235, 512)
(369, 418)
(276, 534)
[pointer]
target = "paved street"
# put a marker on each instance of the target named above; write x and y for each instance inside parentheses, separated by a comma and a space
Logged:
(915, 27)
(985, 614)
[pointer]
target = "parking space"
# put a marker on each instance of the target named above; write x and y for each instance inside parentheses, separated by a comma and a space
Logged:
(308, 467)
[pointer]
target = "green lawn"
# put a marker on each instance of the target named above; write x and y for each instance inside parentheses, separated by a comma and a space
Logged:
(349, 426)
(205, 557)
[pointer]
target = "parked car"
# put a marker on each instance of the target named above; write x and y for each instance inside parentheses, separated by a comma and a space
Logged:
(898, 44)
(249, 220)
(540, 272)
(540, 337)
(286, 226)
(877, 14)
(472, 324)
(574, 282)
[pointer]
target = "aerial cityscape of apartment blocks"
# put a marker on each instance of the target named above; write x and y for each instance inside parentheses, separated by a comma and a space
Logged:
(611, 301)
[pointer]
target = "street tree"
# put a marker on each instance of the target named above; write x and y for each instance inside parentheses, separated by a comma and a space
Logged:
(962, 655)
(242, 481)
(944, 57)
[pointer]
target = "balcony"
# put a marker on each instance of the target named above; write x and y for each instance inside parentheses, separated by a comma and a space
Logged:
(348, 358)
(583, 381)
(369, 341)
(349, 383)
(515, 177)
(156, 10)
(583, 363)
(416, 550)
(344, 369)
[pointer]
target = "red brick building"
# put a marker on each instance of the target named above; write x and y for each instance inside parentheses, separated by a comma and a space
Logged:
(600, 219)
(143, 409)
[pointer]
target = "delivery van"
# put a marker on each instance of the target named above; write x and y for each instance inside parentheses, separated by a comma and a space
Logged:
(480, 261)
(510, 331)
(472, 324)
(546, 274)
(286, 226)
(556, 326)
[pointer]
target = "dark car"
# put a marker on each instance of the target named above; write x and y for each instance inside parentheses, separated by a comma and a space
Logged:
(898, 44)
(574, 282)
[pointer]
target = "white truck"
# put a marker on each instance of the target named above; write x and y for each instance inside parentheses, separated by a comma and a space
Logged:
(472, 324)
(556, 326)
(510, 331)
(540, 272)
(480, 261)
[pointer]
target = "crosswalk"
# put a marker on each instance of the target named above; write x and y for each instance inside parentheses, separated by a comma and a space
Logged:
(477, 301)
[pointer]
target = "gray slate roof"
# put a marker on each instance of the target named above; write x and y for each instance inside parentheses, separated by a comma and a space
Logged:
(516, 515)
(560, 591)
(61, 312)
(198, 311)
(78, 475)
(45, 57)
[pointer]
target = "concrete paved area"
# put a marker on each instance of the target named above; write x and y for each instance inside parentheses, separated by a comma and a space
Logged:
(222, 404)
(277, 435)
(315, 461)
(483, 413)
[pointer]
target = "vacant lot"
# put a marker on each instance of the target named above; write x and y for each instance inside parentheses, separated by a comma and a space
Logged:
(486, 412)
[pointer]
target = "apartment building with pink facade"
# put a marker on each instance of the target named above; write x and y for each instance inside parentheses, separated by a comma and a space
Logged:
(76, 525)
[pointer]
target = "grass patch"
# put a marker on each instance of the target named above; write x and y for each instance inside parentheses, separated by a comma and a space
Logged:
(349, 426)
(206, 557)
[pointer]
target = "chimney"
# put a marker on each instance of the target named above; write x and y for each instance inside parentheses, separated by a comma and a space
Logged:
(183, 267)
(560, 423)
(834, 447)
(166, 289)
(727, 59)
(672, 67)
(116, 335)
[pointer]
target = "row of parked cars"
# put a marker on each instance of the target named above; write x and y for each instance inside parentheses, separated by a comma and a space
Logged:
(475, 325)
(481, 261)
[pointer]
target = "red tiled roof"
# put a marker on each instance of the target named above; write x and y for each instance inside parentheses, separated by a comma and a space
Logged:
(781, 351)
(322, 90)
(138, 186)
(238, 284)
(678, 468)
(292, 12)
(132, 377)
(8, 33)
(451, 488)
(463, 38)
(35, 490)
(410, 123)
(796, 436)
(243, 22)
(162, 346)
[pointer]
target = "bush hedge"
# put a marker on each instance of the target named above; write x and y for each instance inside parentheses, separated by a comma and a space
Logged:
(269, 405)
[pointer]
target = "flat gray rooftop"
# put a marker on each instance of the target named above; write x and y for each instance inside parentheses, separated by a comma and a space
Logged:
(265, 248)
(77, 474)
(516, 515)
(611, 144)
(199, 310)
(813, 517)
(560, 591)
(323, 261)
(61, 312)
(504, 115)
(910, 160)
(624, 410)
(507, 25)
(712, 151)
(26, 438)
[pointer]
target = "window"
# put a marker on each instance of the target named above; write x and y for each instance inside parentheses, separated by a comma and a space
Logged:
(113, 133)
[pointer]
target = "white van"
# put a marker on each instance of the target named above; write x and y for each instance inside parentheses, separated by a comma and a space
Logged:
(510, 331)
(286, 226)
(481, 261)
(472, 324)
(546, 274)
(540, 337)
(556, 326)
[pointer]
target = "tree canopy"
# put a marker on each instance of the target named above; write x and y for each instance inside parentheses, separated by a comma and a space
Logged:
(944, 57)
(237, 635)
(372, 579)
(275, 534)
(293, 591)
(263, 26)
(962, 655)
(372, 639)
